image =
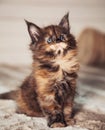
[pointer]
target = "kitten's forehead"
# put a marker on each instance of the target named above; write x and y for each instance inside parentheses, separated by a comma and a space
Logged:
(53, 29)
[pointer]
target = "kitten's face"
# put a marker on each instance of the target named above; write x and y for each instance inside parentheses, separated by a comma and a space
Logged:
(51, 41)
(55, 38)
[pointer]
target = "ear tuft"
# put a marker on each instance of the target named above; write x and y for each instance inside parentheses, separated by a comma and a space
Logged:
(34, 31)
(65, 22)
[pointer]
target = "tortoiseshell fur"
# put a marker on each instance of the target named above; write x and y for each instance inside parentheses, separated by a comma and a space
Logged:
(50, 89)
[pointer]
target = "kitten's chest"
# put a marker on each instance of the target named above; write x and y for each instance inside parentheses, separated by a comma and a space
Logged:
(65, 65)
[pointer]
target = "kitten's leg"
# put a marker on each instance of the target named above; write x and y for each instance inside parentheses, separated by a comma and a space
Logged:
(68, 114)
(52, 110)
(69, 102)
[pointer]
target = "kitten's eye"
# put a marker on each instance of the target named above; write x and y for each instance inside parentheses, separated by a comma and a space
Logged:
(49, 40)
(62, 38)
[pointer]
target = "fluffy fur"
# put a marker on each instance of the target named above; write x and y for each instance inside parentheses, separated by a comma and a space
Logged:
(50, 89)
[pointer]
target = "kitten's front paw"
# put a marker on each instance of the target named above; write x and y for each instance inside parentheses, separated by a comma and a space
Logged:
(70, 122)
(57, 124)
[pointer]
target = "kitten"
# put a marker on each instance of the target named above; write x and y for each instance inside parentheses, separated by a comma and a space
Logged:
(50, 89)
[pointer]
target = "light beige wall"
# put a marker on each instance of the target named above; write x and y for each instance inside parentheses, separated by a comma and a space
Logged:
(14, 38)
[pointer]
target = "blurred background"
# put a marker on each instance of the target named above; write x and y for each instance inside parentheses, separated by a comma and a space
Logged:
(87, 20)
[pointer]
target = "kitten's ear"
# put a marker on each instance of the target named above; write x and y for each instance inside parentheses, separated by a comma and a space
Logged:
(65, 22)
(34, 31)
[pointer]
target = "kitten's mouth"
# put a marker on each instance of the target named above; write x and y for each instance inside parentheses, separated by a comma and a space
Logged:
(59, 51)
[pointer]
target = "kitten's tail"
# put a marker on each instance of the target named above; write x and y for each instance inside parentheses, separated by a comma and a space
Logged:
(9, 95)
